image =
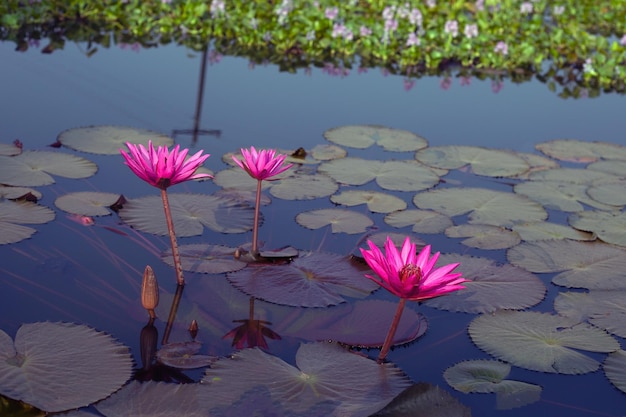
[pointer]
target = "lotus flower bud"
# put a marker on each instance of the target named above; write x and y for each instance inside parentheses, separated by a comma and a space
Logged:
(149, 291)
(193, 329)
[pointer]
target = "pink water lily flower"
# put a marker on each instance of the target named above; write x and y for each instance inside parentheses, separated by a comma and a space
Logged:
(410, 276)
(262, 164)
(162, 168)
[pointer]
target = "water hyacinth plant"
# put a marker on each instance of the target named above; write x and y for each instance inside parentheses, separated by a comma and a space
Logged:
(162, 168)
(409, 276)
(261, 165)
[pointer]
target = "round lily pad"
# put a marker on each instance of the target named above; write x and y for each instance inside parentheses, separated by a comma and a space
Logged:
(9, 149)
(108, 140)
(376, 201)
(87, 203)
(206, 259)
(540, 341)
(35, 168)
(564, 196)
(340, 220)
(575, 150)
(15, 213)
(602, 308)
(421, 221)
(608, 226)
(304, 187)
(364, 136)
(615, 369)
(484, 236)
(548, 231)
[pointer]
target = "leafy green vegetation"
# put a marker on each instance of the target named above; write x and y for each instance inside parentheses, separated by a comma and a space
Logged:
(575, 46)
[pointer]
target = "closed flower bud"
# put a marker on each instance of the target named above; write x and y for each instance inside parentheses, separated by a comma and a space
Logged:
(149, 291)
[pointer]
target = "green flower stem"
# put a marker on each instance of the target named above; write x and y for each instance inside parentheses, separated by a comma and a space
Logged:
(392, 331)
(178, 267)
(255, 230)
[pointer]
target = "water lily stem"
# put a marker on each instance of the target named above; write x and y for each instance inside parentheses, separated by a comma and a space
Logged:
(392, 331)
(172, 316)
(178, 267)
(255, 230)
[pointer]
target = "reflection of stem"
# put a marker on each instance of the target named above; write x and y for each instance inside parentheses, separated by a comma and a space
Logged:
(180, 280)
(255, 231)
(392, 331)
(251, 309)
(172, 316)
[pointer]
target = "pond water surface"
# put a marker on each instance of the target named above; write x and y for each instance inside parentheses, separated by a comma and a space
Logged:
(67, 272)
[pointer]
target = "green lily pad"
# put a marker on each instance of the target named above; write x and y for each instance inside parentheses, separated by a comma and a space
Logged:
(483, 206)
(364, 136)
(324, 373)
(611, 166)
(311, 280)
(87, 203)
(340, 220)
(35, 168)
(15, 213)
(107, 140)
(482, 161)
(206, 259)
(9, 149)
(536, 163)
(490, 287)
(487, 376)
(564, 196)
(304, 187)
(550, 231)
(575, 150)
(184, 355)
(592, 265)
(191, 213)
(571, 175)
(615, 369)
(424, 400)
(608, 226)
(60, 366)
(611, 193)
(376, 201)
(602, 308)
(540, 341)
(326, 152)
(17, 193)
(421, 221)
(238, 179)
(390, 175)
(155, 399)
(484, 236)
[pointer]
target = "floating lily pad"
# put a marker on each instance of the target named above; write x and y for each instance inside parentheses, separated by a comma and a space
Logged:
(184, 355)
(60, 366)
(107, 140)
(487, 376)
(324, 373)
(304, 187)
(611, 193)
(238, 179)
(592, 265)
(424, 400)
(155, 399)
(376, 201)
(34, 168)
(615, 369)
(562, 196)
(390, 175)
(327, 152)
(571, 175)
(550, 231)
(364, 136)
(191, 213)
(312, 280)
(612, 166)
(206, 259)
(483, 206)
(540, 341)
(421, 221)
(604, 309)
(536, 162)
(87, 203)
(17, 193)
(340, 220)
(484, 236)
(575, 150)
(15, 213)
(247, 197)
(608, 226)
(482, 161)
(362, 324)
(9, 149)
(490, 287)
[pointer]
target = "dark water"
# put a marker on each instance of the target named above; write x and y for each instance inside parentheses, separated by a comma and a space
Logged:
(91, 275)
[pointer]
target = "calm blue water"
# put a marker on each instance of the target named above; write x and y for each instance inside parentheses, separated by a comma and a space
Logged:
(66, 272)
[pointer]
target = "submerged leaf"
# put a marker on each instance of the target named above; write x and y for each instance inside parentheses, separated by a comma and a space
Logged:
(312, 280)
(60, 366)
(326, 373)
(540, 341)
(190, 213)
(107, 140)
(490, 287)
